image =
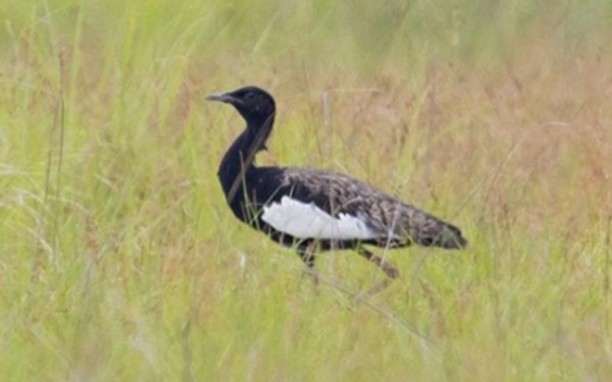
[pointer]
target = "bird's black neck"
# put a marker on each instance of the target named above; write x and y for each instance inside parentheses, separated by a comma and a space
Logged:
(239, 159)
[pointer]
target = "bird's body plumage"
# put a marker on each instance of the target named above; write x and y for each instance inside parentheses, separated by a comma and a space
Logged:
(315, 209)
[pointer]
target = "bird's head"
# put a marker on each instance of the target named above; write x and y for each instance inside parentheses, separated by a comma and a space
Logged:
(254, 104)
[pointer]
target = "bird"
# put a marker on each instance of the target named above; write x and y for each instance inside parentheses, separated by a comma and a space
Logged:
(316, 210)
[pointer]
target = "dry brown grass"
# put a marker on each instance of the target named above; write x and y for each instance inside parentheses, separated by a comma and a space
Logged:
(120, 260)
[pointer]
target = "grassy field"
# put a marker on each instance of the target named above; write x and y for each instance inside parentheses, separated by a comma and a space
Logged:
(119, 260)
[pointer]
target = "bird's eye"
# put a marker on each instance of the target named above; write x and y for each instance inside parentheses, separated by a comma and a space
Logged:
(249, 95)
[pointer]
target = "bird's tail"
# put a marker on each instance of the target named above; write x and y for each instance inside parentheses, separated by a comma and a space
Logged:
(443, 235)
(429, 231)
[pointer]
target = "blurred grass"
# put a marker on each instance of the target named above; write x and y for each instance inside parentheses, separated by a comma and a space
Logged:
(120, 261)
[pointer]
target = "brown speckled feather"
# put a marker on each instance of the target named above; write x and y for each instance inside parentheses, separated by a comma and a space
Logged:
(399, 224)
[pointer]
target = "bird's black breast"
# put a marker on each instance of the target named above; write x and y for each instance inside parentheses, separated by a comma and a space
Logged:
(258, 188)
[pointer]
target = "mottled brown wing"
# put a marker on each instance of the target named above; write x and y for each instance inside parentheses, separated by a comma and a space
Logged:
(398, 223)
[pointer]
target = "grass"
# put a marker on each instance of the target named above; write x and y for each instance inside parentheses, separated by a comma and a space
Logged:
(120, 260)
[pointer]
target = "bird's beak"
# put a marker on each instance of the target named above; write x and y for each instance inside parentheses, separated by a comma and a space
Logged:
(221, 97)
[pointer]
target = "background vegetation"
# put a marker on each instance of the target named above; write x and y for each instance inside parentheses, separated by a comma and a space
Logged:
(120, 260)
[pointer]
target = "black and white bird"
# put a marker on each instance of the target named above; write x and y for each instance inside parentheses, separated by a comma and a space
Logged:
(316, 210)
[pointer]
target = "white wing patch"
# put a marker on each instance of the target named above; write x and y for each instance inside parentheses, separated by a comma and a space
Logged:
(303, 221)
